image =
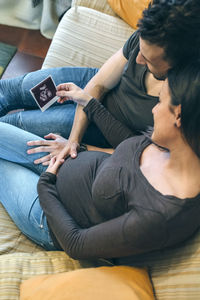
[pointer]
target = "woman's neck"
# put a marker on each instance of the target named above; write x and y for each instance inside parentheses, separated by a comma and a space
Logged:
(176, 172)
(183, 159)
(183, 165)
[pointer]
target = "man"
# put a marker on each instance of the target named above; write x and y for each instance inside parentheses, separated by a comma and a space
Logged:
(128, 84)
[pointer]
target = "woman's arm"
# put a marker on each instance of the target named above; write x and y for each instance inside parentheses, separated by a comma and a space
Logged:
(129, 234)
(113, 130)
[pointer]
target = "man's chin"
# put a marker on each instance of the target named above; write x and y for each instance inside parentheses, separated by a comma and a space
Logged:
(160, 77)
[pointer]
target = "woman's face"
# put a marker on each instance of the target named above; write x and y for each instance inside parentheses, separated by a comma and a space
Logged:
(165, 129)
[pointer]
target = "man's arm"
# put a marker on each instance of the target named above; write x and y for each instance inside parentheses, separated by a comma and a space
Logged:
(106, 79)
(108, 75)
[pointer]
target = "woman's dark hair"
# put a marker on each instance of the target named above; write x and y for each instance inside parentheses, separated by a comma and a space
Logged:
(173, 25)
(184, 87)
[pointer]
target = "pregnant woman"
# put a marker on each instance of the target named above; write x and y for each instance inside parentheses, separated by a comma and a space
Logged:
(143, 197)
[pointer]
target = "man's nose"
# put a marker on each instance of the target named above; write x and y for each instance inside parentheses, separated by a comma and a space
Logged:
(140, 59)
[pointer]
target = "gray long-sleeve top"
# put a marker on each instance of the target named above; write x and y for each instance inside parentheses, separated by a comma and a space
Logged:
(102, 206)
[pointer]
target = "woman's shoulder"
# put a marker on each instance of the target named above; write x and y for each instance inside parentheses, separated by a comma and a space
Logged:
(136, 142)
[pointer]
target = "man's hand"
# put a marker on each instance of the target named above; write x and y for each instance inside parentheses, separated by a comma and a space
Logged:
(57, 146)
(70, 91)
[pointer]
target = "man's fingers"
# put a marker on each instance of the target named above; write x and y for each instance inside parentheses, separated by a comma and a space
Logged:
(62, 93)
(39, 149)
(61, 86)
(73, 152)
(62, 99)
(52, 136)
(46, 163)
(44, 159)
(38, 143)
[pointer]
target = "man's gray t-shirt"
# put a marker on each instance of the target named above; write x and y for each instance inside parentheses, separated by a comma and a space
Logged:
(128, 102)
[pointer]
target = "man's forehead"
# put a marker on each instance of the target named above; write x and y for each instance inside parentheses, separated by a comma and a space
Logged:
(151, 52)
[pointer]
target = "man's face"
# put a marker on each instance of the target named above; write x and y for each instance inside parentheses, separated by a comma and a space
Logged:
(152, 56)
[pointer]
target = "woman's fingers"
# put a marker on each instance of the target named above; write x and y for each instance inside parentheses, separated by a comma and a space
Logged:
(54, 165)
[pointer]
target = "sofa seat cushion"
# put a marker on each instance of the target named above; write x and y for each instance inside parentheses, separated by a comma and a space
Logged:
(175, 272)
(17, 267)
(87, 284)
(12, 240)
(86, 37)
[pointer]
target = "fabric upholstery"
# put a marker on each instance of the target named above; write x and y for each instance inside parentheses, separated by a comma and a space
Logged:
(95, 283)
(11, 238)
(86, 37)
(17, 267)
(100, 5)
(129, 10)
(175, 272)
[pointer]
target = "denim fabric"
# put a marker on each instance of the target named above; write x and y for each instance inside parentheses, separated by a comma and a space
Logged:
(13, 147)
(15, 94)
(20, 199)
(18, 181)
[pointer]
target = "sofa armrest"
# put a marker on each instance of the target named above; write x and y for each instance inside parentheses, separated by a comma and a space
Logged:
(86, 37)
(100, 5)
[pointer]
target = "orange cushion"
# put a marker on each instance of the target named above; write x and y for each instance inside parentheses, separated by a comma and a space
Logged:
(119, 282)
(129, 10)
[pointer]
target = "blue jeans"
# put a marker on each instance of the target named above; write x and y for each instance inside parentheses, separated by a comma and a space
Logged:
(15, 94)
(18, 182)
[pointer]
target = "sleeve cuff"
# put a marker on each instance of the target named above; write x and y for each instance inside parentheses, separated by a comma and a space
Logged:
(89, 109)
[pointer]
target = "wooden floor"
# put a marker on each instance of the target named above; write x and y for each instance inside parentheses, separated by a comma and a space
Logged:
(32, 49)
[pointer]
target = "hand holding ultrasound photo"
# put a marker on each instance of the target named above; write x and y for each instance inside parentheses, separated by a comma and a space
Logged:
(44, 93)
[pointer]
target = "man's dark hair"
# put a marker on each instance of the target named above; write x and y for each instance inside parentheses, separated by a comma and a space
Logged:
(175, 26)
(184, 87)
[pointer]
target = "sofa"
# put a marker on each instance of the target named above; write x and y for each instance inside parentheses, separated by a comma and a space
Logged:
(88, 34)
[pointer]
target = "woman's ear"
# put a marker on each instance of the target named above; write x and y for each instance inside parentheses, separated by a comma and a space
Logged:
(177, 112)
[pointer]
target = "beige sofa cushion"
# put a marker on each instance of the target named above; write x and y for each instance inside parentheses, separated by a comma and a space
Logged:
(11, 238)
(175, 272)
(100, 5)
(86, 37)
(17, 267)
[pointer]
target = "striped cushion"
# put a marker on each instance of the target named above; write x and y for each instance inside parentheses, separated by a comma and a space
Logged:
(86, 37)
(100, 5)
(17, 267)
(11, 238)
(176, 272)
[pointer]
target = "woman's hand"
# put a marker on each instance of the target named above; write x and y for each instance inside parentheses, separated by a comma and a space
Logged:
(54, 165)
(70, 91)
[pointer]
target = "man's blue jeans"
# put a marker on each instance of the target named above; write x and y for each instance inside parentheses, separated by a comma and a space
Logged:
(18, 181)
(15, 94)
